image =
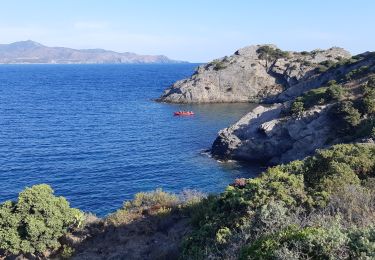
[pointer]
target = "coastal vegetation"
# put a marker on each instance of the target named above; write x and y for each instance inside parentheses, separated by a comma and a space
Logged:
(321, 207)
(353, 109)
(36, 221)
(318, 208)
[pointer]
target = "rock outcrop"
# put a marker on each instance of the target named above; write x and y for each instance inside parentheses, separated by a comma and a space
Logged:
(265, 135)
(251, 74)
(269, 133)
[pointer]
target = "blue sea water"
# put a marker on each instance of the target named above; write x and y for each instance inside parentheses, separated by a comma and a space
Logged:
(93, 133)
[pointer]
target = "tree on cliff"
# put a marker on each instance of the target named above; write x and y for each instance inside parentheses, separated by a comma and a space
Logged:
(270, 55)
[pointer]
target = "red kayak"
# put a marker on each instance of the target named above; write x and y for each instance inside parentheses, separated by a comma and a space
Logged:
(184, 113)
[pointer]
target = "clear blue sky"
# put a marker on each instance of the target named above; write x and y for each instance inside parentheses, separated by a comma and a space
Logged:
(193, 30)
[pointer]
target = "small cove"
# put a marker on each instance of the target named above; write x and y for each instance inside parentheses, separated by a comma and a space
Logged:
(93, 133)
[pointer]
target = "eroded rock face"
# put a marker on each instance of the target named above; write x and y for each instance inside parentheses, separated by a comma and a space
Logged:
(270, 134)
(264, 135)
(248, 77)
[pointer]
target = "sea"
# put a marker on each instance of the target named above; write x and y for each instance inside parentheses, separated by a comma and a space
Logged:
(94, 133)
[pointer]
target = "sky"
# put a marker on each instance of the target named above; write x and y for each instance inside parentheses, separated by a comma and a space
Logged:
(191, 30)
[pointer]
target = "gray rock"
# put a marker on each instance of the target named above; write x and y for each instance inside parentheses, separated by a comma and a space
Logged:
(244, 77)
(264, 135)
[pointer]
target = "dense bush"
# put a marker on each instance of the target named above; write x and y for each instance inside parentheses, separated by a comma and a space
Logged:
(358, 158)
(218, 64)
(314, 97)
(369, 101)
(305, 243)
(325, 65)
(362, 243)
(318, 96)
(347, 116)
(302, 210)
(36, 221)
(334, 91)
(297, 108)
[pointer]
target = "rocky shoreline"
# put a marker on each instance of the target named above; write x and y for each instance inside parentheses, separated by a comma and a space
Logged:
(275, 79)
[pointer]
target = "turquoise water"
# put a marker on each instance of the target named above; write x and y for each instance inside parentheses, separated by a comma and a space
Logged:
(93, 133)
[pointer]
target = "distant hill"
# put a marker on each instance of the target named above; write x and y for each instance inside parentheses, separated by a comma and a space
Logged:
(34, 52)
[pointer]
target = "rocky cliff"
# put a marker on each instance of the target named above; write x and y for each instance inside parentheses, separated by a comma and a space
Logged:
(265, 135)
(329, 109)
(253, 73)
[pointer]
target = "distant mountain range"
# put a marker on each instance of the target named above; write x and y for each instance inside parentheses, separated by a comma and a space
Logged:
(34, 52)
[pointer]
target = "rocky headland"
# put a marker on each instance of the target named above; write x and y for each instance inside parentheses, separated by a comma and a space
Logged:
(252, 74)
(297, 96)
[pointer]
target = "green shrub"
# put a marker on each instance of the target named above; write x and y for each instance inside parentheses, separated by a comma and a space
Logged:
(271, 218)
(335, 92)
(357, 157)
(271, 54)
(366, 128)
(36, 221)
(230, 211)
(222, 235)
(318, 96)
(67, 252)
(294, 167)
(218, 64)
(273, 185)
(311, 242)
(297, 108)
(156, 202)
(327, 65)
(154, 198)
(362, 243)
(314, 97)
(337, 176)
(348, 117)
(369, 100)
